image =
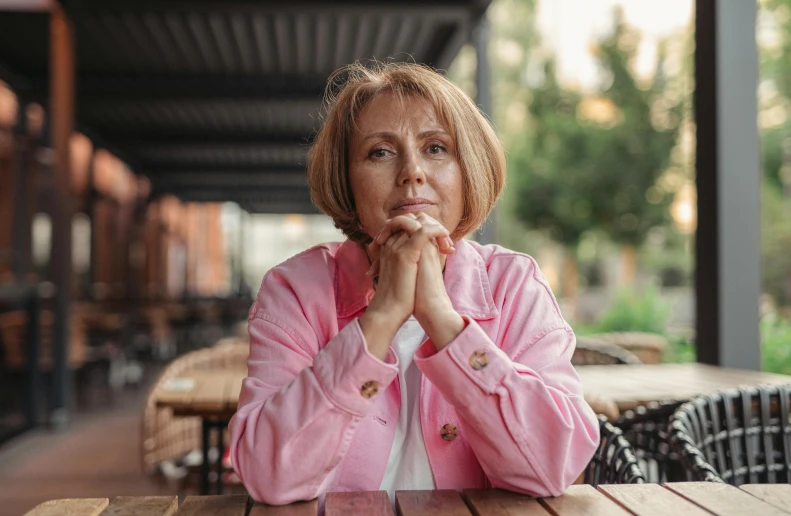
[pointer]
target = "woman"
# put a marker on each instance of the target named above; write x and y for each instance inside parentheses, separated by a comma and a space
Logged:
(407, 357)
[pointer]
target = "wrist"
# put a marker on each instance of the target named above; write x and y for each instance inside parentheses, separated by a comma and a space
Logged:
(379, 329)
(442, 327)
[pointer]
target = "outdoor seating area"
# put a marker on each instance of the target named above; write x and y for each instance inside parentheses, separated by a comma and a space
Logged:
(153, 169)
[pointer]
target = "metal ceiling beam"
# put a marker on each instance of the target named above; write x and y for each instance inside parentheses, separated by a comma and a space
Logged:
(158, 137)
(201, 169)
(280, 208)
(223, 180)
(129, 88)
(446, 9)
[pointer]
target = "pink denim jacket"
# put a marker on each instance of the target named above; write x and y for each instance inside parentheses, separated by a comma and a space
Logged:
(318, 412)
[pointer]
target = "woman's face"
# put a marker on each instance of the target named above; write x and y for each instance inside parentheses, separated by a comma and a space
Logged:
(402, 160)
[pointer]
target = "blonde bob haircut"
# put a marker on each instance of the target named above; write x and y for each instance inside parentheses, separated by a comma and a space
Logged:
(478, 150)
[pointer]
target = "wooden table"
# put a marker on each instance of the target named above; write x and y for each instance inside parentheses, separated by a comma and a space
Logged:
(213, 396)
(687, 498)
(633, 385)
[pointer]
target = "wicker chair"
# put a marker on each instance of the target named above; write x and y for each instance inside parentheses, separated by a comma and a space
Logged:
(614, 461)
(590, 351)
(646, 429)
(648, 347)
(737, 436)
(165, 438)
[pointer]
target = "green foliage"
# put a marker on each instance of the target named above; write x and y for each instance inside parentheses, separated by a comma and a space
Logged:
(776, 344)
(641, 312)
(644, 312)
(775, 64)
(776, 246)
(590, 161)
(680, 350)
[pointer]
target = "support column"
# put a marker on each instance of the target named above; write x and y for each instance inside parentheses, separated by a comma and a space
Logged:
(62, 72)
(728, 245)
(483, 97)
(21, 230)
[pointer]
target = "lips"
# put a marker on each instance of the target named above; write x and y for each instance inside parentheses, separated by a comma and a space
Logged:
(412, 204)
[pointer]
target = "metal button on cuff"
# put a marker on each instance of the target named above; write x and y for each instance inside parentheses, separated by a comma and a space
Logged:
(478, 360)
(448, 432)
(369, 389)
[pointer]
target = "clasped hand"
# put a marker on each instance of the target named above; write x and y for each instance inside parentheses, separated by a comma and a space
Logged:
(408, 256)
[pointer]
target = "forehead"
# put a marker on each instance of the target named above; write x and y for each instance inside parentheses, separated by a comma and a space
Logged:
(388, 111)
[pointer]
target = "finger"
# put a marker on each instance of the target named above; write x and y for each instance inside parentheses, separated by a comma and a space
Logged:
(445, 245)
(373, 271)
(425, 234)
(396, 224)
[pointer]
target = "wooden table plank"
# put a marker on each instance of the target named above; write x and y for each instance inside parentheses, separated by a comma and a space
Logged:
(496, 502)
(650, 500)
(210, 393)
(724, 499)
(206, 393)
(778, 495)
(583, 500)
(446, 502)
(70, 507)
(363, 503)
(309, 508)
(225, 505)
(633, 385)
(235, 388)
(142, 506)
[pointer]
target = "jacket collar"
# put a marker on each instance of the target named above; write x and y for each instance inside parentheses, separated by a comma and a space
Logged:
(466, 281)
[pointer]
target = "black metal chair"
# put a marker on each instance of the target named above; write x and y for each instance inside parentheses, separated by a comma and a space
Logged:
(590, 351)
(646, 429)
(614, 461)
(737, 436)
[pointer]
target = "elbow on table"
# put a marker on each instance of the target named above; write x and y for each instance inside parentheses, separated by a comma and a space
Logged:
(262, 483)
(559, 467)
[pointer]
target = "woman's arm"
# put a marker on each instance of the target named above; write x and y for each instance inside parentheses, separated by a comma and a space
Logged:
(297, 412)
(524, 417)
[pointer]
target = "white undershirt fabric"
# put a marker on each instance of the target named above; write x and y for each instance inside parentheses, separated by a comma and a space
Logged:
(408, 467)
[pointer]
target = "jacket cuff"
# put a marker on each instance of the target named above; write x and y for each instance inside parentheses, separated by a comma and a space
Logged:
(351, 377)
(470, 357)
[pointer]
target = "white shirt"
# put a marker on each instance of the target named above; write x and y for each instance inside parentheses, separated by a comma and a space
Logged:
(408, 467)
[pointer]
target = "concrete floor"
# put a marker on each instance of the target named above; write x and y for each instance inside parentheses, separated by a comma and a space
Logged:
(97, 457)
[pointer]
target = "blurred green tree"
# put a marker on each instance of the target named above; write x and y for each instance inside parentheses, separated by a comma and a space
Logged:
(592, 161)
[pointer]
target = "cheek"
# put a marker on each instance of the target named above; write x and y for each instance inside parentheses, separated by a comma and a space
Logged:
(369, 196)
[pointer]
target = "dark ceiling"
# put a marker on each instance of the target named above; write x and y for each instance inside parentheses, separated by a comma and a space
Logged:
(219, 100)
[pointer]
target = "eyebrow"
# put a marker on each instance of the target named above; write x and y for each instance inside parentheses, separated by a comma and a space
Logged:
(424, 134)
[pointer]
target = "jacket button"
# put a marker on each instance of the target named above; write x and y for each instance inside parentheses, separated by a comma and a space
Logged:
(478, 360)
(448, 432)
(369, 389)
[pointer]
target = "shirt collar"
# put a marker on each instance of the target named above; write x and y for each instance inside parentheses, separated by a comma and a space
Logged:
(466, 281)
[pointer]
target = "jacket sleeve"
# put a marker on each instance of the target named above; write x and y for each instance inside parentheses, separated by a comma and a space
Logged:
(299, 407)
(522, 412)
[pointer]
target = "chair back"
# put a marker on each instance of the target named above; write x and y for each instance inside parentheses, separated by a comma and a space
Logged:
(591, 351)
(739, 436)
(614, 461)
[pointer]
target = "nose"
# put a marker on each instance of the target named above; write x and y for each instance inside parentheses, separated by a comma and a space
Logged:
(411, 171)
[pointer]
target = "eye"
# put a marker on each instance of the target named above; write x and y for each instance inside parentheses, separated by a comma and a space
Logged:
(436, 148)
(379, 152)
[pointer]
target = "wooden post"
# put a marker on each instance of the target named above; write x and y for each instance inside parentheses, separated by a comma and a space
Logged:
(62, 72)
(21, 245)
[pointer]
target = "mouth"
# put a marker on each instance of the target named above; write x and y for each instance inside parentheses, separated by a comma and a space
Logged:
(412, 205)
